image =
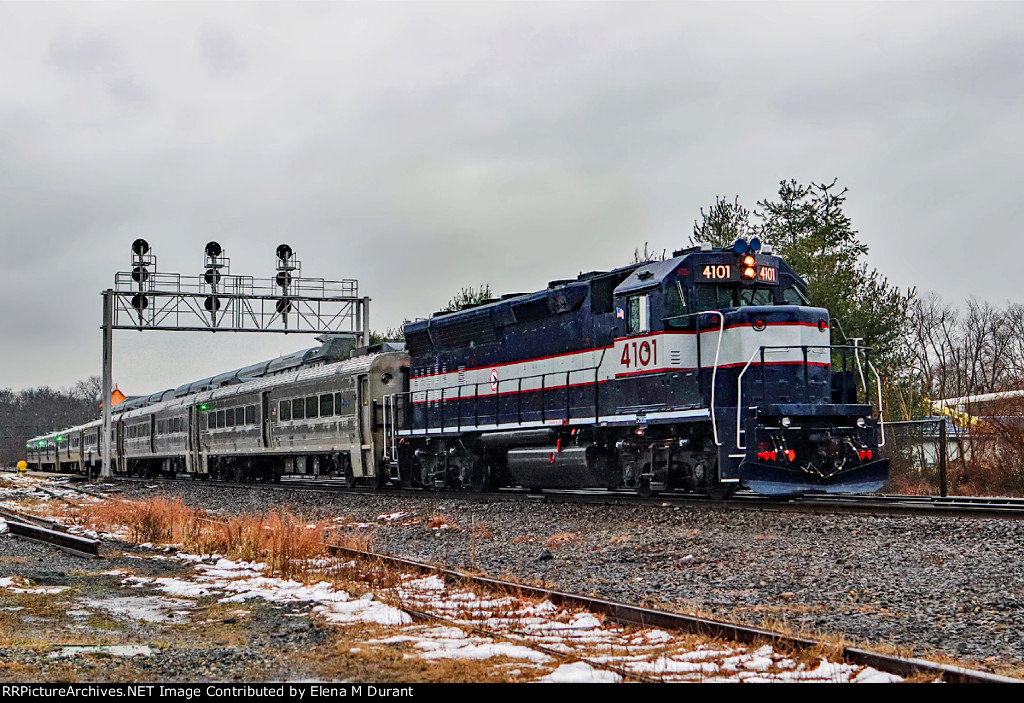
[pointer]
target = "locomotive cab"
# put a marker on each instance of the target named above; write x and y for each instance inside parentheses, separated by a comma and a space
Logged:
(783, 421)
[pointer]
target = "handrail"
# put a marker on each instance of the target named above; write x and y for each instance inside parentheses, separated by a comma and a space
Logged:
(519, 391)
(714, 371)
(760, 350)
(881, 420)
(519, 379)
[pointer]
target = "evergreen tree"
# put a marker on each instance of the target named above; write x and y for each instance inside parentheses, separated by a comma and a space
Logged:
(722, 224)
(809, 229)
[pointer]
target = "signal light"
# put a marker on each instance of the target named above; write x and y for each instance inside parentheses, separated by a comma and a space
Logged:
(213, 250)
(140, 274)
(212, 276)
(749, 260)
(283, 306)
(140, 247)
(749, 272)
(790, 455)
(284, 252)
(283, 278)
(212, 303)
(140, 302)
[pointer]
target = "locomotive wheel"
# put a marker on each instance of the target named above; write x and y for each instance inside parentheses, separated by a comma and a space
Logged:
(643, 488)
(720, 491)
(483, 479)
(711, 486)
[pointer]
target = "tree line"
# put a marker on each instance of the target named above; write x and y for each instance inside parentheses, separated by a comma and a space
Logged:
(36, 411)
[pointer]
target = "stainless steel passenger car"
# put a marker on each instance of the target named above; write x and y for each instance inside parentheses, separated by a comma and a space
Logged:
(326, 420)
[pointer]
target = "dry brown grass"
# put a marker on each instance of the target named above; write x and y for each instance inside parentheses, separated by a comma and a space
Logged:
(291, 546)
(442, 522)
(561, 538)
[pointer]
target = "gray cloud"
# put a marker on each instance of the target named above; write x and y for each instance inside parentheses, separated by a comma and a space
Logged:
(425, 147)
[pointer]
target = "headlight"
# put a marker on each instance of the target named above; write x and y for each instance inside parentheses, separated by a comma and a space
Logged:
(786, 422)
(861, 422)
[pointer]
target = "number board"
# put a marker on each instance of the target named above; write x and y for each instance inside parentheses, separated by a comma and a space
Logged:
(732, 272)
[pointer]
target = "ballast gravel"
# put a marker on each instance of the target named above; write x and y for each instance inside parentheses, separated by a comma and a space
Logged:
(930, 585)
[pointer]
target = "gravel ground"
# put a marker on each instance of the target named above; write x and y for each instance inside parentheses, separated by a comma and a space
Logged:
(932, 585)
(208, 642)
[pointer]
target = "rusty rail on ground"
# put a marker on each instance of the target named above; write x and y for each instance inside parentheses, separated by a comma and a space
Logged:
(79, 546)
(626, 614)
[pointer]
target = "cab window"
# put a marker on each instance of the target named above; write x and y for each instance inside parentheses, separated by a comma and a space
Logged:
(675, 308)
(793, 296)
(756, 296)
(639, 316)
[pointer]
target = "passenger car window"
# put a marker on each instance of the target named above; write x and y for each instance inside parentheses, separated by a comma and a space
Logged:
(311, 407)
(326, 405)
(338, 403)
(286, 409)
(250, 414)
(298, 409)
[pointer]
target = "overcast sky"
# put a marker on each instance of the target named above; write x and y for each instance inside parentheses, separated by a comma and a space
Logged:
(425, 147)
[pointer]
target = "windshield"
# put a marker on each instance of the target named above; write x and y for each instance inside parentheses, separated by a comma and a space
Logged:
(716, 297)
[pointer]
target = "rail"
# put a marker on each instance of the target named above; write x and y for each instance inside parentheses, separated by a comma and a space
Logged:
(857, 350)
(718, 349)
(392, 401)
(641, 616)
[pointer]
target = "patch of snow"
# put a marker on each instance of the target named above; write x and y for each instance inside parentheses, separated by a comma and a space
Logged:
(147, 609)
(580, 672)
(114, 650)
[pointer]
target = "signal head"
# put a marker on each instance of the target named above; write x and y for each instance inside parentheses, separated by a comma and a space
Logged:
(284, 252)
(213, 250)
(283, 306)
(212, 303)
(140, 274)
(283, 278)
(140, 302)
(212, 277)
(140, 247)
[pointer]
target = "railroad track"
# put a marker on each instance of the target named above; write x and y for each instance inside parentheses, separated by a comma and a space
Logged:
(882, 505)
(626, 614)
(616, 611)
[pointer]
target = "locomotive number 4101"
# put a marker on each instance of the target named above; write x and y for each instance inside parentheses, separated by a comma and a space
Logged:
(640, 354)
(728, 272)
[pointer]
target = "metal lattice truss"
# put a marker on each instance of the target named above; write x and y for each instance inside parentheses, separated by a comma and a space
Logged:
(224, 302)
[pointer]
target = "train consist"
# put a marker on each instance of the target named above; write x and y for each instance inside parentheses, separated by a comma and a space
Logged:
(703, 372)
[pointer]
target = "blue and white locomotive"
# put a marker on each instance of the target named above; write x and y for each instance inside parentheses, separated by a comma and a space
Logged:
(703, 372)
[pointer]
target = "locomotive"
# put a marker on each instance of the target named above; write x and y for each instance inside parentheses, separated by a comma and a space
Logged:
(704, 372)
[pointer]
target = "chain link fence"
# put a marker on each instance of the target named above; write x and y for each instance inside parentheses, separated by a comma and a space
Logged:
(936, 457)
